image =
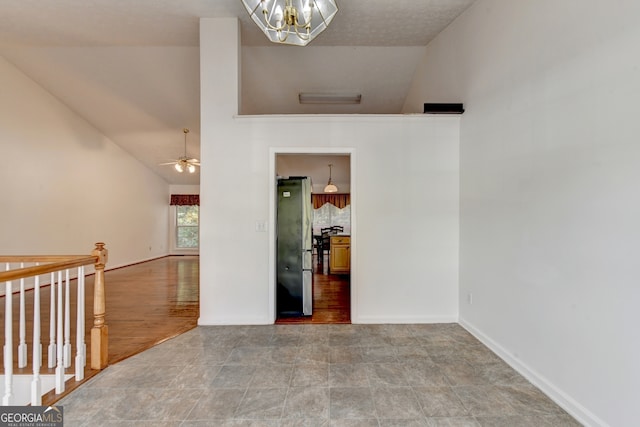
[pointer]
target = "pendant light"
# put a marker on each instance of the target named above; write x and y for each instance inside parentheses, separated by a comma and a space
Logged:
(330, 188)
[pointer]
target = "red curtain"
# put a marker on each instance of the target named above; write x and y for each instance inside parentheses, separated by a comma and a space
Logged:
(185, 199)
(338, 200)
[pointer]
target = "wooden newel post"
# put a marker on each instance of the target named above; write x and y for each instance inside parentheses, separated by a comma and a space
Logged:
(99, 332)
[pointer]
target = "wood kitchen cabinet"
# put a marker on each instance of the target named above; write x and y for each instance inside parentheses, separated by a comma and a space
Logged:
(340, 255)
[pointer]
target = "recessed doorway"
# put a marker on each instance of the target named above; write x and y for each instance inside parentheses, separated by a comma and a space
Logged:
(332, 225)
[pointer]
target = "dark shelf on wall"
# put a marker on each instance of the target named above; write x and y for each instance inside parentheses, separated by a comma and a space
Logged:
(443, 108)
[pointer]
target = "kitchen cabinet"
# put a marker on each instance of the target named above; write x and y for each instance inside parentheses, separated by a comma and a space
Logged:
(340, 255)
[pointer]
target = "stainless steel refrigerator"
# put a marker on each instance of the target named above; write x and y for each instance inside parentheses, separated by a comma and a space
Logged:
(294, 247)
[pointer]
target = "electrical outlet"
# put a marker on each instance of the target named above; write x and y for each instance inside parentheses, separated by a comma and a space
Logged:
(470, 298)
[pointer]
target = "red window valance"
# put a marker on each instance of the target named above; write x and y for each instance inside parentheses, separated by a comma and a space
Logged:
(338, 200)
(185, 199)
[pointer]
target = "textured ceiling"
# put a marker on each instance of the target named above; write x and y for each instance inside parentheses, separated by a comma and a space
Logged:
(175, 22)
(131, 67)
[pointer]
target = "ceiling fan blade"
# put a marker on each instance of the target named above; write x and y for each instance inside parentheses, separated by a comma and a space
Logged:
(169, 163)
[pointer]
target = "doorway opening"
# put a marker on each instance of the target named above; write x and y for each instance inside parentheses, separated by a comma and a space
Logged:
(332, 228)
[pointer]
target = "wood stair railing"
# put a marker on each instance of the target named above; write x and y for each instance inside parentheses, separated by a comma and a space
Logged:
(60, 324)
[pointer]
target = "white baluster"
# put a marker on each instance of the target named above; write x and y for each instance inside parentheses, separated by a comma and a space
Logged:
(22, 346)
(7, 399)
(52, 325)
(84, 318)
(36, 385)
(81, 353)
(67, 323)
(59, 344)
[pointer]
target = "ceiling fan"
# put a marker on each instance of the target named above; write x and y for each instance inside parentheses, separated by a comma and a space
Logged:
(184, 163)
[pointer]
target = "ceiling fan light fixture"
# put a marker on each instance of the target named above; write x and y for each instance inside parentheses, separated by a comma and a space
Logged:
(293, 22)
(184, 163)
(330, 187)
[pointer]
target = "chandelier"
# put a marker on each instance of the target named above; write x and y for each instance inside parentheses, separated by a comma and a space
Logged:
(294, 22)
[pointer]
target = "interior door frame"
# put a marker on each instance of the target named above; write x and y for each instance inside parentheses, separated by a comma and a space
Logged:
(273, 197)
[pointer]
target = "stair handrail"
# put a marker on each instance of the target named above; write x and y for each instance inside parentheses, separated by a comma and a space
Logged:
(57, 263)
(98, 257)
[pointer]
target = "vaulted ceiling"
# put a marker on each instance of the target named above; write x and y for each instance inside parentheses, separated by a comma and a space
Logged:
(131, 67)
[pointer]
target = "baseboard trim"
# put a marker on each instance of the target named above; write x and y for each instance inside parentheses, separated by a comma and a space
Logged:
(400, 320)
(575, 409)
(244, 321)
(129, 264)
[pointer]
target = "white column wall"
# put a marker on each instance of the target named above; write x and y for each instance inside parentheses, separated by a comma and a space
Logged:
(550, 166)
(406, 248)
(65, 186)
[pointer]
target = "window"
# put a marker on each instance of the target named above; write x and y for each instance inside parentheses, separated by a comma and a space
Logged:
(329, 215)
(187, 227)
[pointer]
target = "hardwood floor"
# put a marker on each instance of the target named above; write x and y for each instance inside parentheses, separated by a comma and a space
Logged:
(151, 302)
(331, 298)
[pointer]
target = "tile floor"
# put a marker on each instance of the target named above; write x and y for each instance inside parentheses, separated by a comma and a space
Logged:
(314, 375)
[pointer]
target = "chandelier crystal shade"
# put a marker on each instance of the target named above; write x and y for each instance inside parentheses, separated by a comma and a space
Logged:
(294, 22)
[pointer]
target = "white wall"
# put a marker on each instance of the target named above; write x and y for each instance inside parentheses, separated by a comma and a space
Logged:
(184, 189)
(406, 198)
(65, 186)
(550, 166)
